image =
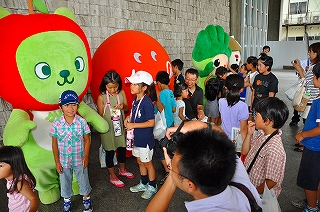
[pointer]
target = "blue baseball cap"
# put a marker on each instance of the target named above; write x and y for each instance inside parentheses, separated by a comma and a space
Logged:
(68, 97)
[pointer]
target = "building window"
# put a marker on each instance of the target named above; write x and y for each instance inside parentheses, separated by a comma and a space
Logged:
(298, 8)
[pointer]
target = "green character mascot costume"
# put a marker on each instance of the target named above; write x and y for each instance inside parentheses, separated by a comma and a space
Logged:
(211, 50)
(42, 55)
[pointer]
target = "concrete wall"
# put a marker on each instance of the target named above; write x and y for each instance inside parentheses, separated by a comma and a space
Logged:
(174, 23)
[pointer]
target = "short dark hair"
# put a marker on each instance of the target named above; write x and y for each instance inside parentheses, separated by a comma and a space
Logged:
(177, 62)
(221, 71)
(266, 47)
(316, 70)
(273, 109)
(178, 88)
(163, 77)
(266, 60)
(252, 60)
(192, 71)
(212, 89)
(208, 159)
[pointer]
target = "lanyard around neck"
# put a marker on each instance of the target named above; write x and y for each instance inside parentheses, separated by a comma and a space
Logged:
(135, 116)
(108, 102)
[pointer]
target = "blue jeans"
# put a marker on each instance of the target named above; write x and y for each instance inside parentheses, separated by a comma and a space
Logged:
(66, 181)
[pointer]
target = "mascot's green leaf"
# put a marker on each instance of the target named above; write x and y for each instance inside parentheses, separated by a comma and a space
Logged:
(3, 12)
(65, 12)
(41, 6)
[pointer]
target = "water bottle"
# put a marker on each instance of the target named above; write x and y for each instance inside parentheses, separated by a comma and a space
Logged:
(116, 125)
(129, 142)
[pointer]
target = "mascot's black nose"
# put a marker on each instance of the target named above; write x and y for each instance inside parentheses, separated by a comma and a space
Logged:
(64, 73)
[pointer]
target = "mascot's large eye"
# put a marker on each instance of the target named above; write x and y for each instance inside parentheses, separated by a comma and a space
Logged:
(79, 63)
(136, 56)
(153, 55)
(216, 62)
(42, 70)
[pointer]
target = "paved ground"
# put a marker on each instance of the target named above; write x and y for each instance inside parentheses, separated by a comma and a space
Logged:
(106, 197)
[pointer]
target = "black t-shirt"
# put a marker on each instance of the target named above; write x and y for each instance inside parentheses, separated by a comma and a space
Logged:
(262, 85)
(193, 101)
(179, 79)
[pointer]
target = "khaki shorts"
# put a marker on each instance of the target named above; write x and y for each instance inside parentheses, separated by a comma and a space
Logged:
(145, 154)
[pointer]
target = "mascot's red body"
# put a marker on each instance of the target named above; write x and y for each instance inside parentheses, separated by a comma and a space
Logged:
(127, 52)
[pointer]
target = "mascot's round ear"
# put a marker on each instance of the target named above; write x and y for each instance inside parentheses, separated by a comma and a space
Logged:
(3, 12)
(65, 12)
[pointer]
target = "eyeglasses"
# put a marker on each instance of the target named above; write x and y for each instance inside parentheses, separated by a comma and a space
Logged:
(192, 80)
(169, 166)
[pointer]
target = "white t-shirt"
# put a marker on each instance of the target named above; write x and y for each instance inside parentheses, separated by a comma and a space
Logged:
(231, 199)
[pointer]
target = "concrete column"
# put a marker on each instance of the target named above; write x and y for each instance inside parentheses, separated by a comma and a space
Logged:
(235, 19)
(274, 20)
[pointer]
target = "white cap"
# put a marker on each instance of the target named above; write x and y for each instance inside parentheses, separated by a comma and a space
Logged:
(140, 77)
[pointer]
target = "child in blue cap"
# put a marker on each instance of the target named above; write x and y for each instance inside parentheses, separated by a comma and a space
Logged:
(71, 147)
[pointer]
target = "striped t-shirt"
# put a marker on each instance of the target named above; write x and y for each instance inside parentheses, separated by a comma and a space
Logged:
(314, 92)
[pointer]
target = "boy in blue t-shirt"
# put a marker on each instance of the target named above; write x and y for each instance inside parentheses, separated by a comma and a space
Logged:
(309, 170)
(166, 102)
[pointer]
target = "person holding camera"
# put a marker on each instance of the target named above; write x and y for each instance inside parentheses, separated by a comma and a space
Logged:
(204, 169)
(307, 74)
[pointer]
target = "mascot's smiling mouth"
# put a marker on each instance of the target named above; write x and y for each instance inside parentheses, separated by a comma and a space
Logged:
(65, 74)
(65, 81)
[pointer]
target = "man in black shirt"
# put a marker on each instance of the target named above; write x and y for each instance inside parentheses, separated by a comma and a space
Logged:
(194, 102)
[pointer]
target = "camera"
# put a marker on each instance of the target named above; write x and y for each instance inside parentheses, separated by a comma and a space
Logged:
(294, 61)
(171, 144)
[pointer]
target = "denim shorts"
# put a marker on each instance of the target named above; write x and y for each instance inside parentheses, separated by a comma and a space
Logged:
(66, 181)
(158, 151)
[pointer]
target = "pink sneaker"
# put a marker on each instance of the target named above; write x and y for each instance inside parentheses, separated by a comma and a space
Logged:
(117, 183)
(127, 174)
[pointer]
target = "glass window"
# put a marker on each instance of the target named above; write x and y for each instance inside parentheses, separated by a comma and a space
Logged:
(254, 27)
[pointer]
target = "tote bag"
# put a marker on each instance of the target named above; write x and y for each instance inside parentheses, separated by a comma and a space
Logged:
(160, 126)
(293, 89)
(102, 157)
(269, 201)
(298, 95)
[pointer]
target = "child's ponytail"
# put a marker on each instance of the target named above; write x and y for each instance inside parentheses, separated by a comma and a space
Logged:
(151, 91)
(234, 83)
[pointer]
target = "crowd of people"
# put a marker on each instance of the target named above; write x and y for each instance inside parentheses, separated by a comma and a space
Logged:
(229, 146)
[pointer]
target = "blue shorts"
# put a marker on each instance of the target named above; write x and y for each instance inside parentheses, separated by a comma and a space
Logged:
(66, 181)
(309, 171)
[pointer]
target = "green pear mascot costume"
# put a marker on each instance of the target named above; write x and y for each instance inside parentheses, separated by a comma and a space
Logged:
(42, 55)
(211, 50)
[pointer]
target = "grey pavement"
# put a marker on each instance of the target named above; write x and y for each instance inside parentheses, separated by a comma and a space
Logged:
(106, 197)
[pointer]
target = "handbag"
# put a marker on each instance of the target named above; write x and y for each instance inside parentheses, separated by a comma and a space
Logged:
(102, 157)
(299, 94)
(293, 89)
(130, 133)
(303, 103)
(269, 201)
(160, 125)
